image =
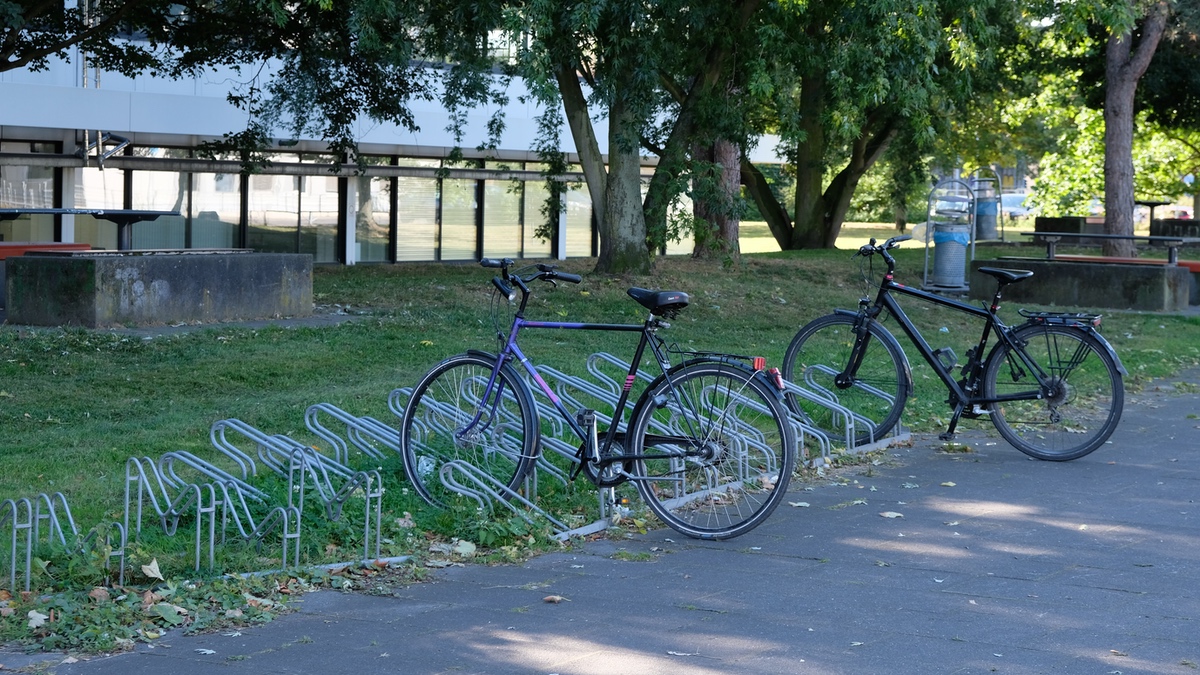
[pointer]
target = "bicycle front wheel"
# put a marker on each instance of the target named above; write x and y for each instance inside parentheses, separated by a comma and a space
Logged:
(1079, 405)
(874, 395)
(460, 439)
(716, 450)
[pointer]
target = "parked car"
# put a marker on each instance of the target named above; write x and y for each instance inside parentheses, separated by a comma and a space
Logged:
(1013, 205)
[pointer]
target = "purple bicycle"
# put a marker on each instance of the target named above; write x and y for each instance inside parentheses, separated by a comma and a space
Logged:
(709, 445)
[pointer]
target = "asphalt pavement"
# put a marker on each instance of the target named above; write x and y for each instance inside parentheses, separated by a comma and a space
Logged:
(930, 562)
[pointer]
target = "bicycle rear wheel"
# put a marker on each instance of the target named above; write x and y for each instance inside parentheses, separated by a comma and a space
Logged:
(1078, 409)
(451, 435)
(721, 449)
(875, 395)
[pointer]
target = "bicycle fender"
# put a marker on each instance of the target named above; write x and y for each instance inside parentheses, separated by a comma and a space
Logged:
(1111, 352)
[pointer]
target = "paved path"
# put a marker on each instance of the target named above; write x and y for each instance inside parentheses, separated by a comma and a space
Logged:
(999, 564)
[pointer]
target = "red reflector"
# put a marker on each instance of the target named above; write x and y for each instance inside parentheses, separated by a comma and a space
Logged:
(777, 378)
(759, 363)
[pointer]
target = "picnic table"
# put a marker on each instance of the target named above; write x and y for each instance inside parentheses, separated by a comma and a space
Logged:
(1172, 244)
(122, 217)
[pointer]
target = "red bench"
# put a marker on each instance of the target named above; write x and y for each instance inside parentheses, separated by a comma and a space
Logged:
(1192, 265)
(12, 248)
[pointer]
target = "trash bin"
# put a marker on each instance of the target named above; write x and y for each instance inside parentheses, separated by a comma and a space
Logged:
(950, 242)
(987, 209)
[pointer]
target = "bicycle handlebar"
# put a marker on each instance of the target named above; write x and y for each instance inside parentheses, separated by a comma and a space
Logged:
(505, 282)
(872, 248)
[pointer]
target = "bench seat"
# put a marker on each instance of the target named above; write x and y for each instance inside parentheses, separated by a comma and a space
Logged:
(1192, 265)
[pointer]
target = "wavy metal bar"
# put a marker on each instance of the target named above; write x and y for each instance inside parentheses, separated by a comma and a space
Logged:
(153, 487)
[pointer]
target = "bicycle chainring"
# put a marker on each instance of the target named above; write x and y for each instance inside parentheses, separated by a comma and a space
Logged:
(609, 477)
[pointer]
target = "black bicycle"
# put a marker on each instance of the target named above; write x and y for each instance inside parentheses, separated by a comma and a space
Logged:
(1052, 385)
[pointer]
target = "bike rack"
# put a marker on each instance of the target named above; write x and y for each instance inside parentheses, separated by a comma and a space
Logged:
(279, 454)
(233, 493)
(25, 516)
(170, 502)
(363, 432)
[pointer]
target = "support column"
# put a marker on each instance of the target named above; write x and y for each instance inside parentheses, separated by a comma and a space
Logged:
(350, 216)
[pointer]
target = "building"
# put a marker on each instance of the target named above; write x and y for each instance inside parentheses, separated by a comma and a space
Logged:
(73, 138)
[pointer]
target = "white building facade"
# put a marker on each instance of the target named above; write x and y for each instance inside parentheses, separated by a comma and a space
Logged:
(76, 139)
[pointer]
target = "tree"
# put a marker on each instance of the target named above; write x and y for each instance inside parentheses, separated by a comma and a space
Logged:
(602, 44)
(33, 33)
(848, 79)
(1125, 64)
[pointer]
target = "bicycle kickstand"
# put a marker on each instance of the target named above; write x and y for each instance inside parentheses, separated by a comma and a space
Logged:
(948, 434)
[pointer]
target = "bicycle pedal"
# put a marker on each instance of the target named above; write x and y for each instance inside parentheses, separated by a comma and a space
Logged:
(586, 418)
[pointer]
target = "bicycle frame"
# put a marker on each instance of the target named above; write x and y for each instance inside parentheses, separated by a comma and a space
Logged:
(992, 322)
(601, 458)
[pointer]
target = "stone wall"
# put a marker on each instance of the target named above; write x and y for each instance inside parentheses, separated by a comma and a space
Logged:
(137, 288)
(1089, 285)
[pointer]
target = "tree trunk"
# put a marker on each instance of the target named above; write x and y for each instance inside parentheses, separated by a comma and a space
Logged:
(584, 134)
(623, 230)
(778, 220)
(1124, 66)
(616, 193)
(717, 221)
(866, 151)
(811, 228)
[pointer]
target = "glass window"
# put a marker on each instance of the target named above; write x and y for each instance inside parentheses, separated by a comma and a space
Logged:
(319, 217)
(416, 218)
(579, 223)
(160, 191)
(98, 189)
(274, 211)
(502, 231)
(373, 218)
(216, 211)
(458, 219)
(535, 199)
(27, 187)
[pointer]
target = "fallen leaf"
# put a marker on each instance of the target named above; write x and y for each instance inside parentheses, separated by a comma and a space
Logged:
(857, 644)
(555, 599)
(36, 618)
(799, 504)
(99, 594)
(69, 660)
(7, 611)
(205, 651)
(406, 522)
(151, 570)
(949, 484)
(891, 514)
(684, 653)
(464, 548)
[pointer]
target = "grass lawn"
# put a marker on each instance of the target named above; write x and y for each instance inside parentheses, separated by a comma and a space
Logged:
(75, 405)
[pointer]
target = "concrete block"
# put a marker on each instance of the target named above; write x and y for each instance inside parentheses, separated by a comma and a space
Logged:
(138, 288)
(1155, 288)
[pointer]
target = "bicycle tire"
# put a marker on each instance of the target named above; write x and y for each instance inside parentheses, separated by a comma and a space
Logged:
(878, 393)
(739, 419)
(503, 445)
(1070, 421)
